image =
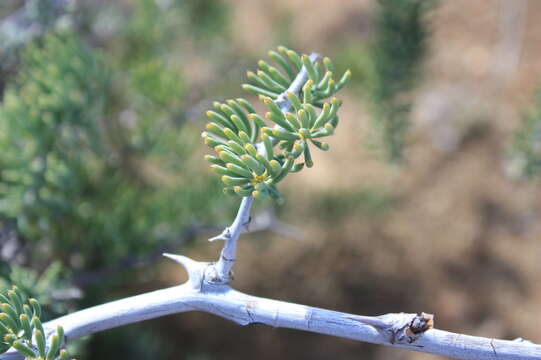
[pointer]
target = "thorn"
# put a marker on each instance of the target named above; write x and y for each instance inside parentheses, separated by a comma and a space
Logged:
(194, 268)
(186, 262)
(219, 237)
(225, 235)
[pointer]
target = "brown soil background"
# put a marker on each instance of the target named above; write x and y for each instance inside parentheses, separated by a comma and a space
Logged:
(461, 238)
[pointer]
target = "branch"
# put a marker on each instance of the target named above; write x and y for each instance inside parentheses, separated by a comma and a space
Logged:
(221, 271)
(200, 293)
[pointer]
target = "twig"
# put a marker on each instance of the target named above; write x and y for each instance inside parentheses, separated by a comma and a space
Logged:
(221, 271)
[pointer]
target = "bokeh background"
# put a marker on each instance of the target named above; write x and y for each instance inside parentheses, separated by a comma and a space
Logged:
(428, 200)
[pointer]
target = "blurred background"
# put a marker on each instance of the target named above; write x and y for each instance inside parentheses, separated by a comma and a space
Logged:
(429, 199)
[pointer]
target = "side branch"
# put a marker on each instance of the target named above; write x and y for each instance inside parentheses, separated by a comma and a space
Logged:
(220, 273)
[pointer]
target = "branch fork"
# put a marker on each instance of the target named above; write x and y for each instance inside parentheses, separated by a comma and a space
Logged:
(220, 272)
(197, 270)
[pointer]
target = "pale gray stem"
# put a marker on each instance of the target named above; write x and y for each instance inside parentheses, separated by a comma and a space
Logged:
(408, 331)
(295, 87)
(230, 235)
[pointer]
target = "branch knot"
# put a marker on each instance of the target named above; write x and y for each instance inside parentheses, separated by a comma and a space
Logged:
(401, 328)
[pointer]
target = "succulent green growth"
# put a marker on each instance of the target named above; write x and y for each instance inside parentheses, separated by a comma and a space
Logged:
(70, 166)
(255, 155)
(21, 329)
(270, 81)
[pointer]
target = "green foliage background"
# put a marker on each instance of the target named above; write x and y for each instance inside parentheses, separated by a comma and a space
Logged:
(95, 167)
